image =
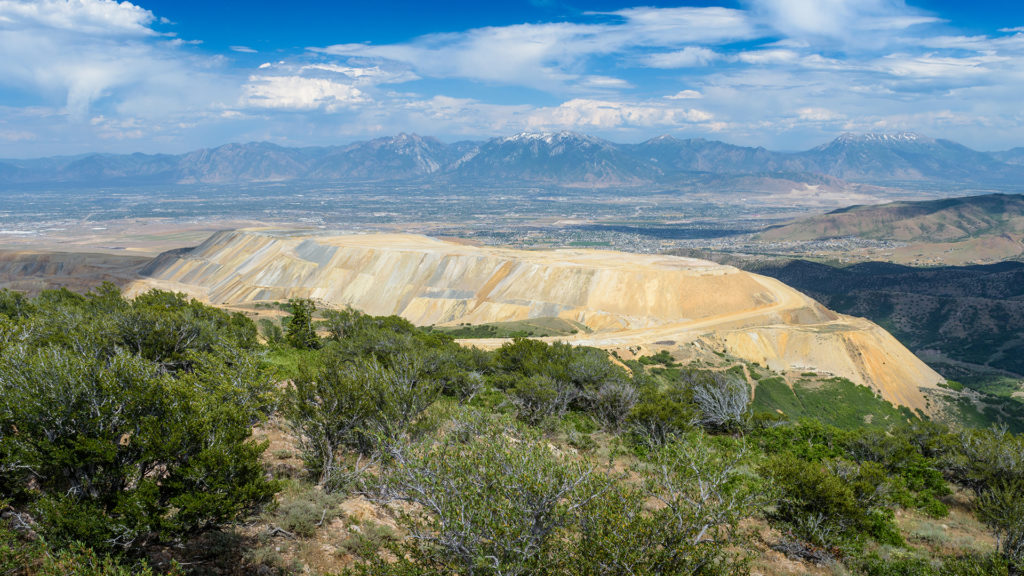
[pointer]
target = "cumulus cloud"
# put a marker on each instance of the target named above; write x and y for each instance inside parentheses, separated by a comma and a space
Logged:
(299, 93)
(105, 17)
(329, 86)
(768, 59)
(584, 113)
(469, 116)
(685, 95)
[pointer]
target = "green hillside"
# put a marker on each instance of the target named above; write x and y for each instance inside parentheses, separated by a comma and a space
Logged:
(933, 221)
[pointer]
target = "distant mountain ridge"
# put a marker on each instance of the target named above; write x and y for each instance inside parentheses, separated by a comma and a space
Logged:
(946, 220)
(560, 158)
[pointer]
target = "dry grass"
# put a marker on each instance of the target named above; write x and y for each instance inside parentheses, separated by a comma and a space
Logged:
(769, 562)
(282, 457)
(958, 533)
(308, 530)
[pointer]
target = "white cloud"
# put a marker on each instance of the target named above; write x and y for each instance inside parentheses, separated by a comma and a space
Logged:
(443, 107)
(176, 42)
(761, 57)
(688, 57)
(850, 21)
(104, 17)
(681, 26)
(822, 63)
(775, 71)
(128, 128)
(1014, 42)
(362, 75)
(474, 118)
(930, 66)
(464, 115)
(82, 73)
(16, 135)
(685, 95)
(549, 56)
(325, 86)
(76, 53)
(299, 93)
(530, 55)
(583, 113)
(601, 82)
(818, 115)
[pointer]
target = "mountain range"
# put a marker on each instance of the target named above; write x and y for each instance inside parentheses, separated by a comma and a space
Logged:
(563, 158)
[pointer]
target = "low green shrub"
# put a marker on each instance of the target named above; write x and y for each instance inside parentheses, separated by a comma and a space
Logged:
(873, 565)
(660, 415)
(832, 505)
(114, 452)
(539, 397)
(491, 497)
(19, 557)
(342, 404)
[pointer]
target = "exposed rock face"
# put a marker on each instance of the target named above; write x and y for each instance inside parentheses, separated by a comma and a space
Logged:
(627, 300)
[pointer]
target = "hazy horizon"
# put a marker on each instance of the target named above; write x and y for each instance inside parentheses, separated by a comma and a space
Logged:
(449, 141)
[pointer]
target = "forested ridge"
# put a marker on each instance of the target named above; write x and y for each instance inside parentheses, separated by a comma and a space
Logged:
(136, 438)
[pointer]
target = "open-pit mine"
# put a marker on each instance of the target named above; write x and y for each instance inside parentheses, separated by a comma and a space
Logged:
(628, 303)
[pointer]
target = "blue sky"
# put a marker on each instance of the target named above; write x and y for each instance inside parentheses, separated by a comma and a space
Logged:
(175, 75)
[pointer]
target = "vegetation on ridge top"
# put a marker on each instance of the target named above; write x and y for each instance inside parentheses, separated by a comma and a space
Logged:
(126, 441)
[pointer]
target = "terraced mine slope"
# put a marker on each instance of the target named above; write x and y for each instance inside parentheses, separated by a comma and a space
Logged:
(629, 302)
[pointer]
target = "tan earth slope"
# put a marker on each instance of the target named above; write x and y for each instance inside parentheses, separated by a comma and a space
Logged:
(33, 271)
(626, 300)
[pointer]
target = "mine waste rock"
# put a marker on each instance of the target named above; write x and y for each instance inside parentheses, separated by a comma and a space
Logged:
(629, 303)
